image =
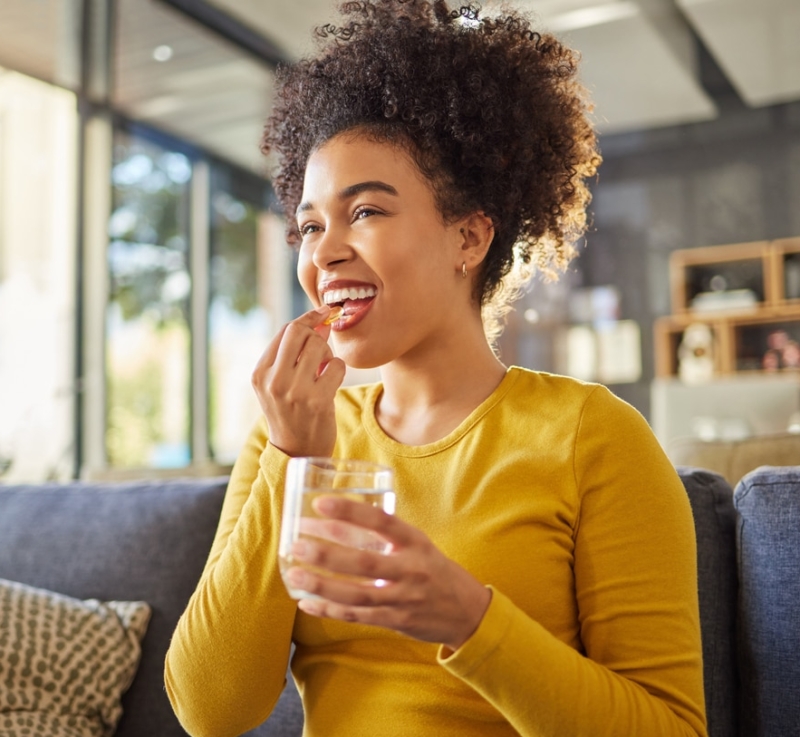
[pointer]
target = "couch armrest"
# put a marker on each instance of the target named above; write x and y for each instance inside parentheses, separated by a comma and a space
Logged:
(711, 498)
(768, 541)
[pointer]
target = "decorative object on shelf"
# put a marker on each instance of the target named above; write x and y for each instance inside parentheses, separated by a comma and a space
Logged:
(782, 352)
(791, 270)
(696, 354)
(728, 299)
(771, 361)
(791, 355)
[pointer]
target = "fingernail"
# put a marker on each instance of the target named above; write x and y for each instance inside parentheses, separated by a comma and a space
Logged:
(322, 309)
(326, 505)
(296, 576)
(308, 606)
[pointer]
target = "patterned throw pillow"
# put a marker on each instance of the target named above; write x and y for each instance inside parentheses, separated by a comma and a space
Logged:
(65, 663)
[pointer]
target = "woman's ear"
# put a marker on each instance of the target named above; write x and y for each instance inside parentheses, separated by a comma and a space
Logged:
(477, 233)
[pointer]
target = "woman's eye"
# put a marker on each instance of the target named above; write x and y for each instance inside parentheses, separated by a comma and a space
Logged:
(364, 212)
(307, 229)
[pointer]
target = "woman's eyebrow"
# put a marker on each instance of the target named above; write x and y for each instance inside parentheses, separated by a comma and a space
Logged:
(371, 186)
(354, 189)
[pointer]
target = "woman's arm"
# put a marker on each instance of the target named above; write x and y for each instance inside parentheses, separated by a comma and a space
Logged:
(226, 665)
(636, 588)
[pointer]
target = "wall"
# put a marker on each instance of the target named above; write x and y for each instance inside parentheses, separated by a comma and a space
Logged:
(731, 180)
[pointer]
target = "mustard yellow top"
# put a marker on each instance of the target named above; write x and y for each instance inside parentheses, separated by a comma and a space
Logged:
(553, 492)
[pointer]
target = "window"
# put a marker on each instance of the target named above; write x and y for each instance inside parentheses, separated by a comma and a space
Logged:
(38, 177)
(131, 317)
(239, 320)
(147, 321)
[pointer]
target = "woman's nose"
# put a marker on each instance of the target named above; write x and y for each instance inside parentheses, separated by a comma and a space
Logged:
(331, 249)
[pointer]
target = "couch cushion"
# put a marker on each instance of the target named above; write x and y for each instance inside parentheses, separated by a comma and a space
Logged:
(711, 498)
(768, 539)
(134, 541)
(64, 662)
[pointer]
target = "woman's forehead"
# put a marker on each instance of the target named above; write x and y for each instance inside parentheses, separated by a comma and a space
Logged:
(350, 158)
(354, 147)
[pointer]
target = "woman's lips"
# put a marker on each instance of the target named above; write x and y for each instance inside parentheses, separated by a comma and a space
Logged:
(355, 310)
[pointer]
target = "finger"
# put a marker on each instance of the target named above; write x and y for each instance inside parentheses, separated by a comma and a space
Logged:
(315, 353)
(297, 339)
(342, 533)
(369, 562)
(323, 329)
(332, 374)
(364, 515)
(313, 319)
(317, 362)
(367, 593)
(380, 616)
(267, 358)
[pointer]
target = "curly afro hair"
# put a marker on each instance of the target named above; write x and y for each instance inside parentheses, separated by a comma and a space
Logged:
(490, 110)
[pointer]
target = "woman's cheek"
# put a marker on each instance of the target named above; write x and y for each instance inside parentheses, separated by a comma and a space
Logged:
(307, 273)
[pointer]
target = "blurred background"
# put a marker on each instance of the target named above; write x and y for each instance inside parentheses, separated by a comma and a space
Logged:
(143, 265)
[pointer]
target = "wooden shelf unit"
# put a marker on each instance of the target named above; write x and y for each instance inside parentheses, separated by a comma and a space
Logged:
(771, 269)
(785, 271)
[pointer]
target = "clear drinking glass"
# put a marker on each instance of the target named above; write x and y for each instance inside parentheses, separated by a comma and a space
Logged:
(309, 478)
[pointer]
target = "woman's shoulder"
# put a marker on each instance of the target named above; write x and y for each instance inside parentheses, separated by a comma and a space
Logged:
(543, 386)
(573, 400)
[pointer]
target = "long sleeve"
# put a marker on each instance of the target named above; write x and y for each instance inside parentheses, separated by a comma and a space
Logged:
(226, 665)
(635, 584)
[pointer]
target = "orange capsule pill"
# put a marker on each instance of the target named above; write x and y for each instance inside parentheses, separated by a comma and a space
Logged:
(336, 313)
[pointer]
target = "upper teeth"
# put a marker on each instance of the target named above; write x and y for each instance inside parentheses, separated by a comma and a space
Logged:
(340, 295)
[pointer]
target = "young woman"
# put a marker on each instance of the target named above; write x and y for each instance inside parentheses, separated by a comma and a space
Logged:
(542, 575)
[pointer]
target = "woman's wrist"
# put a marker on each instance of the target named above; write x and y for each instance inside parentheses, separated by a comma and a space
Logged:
(475, 610)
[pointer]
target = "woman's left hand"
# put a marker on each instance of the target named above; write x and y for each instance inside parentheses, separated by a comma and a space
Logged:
(423, 594)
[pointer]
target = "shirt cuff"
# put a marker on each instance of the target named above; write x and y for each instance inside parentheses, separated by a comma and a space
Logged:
(490, 633)
(273, 464)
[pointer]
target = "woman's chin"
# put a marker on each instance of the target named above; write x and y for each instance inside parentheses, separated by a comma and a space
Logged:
(359, 357)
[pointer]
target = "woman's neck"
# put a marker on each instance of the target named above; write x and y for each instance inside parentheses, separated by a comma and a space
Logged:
(427, 396)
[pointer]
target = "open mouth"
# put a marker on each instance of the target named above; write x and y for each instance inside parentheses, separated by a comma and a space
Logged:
(349, 299)
(354, 302)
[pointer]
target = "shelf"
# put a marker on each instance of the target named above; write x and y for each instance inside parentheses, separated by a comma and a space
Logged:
(785, 270)
(717, 271)
(755, 323)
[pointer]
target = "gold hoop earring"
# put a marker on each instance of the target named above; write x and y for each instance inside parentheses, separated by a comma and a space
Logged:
(463, 269)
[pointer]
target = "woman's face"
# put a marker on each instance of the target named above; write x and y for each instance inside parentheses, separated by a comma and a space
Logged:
(374, 241)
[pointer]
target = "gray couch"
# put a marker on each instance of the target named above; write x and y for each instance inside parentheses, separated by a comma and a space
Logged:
(143, 541)
(749, 582)
(149, 541)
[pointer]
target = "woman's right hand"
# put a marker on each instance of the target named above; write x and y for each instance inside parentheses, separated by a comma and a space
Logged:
(296, 380)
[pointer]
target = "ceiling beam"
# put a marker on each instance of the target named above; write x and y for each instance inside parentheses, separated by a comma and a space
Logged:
(231, 29)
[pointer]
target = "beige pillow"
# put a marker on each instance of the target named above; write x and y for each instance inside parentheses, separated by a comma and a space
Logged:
(65, 663)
